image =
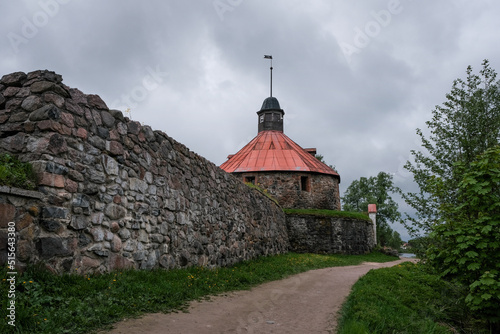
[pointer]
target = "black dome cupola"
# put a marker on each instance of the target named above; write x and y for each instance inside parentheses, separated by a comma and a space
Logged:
(270, 115)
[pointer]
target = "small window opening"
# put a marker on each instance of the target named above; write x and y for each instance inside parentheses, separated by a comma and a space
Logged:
(250, 179)
(304, 183)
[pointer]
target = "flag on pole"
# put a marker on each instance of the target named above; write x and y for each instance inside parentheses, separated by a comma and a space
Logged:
(268, 57)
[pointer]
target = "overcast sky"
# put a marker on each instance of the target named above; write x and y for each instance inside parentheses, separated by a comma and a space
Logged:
(355, 78)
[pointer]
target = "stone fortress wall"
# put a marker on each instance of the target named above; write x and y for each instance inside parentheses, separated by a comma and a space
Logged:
(115, 194)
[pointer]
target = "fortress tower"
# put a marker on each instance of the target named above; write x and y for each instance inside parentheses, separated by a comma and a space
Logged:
(291, 174)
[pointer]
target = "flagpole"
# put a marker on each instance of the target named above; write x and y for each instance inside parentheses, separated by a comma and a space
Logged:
(271, 94)
(271, 68)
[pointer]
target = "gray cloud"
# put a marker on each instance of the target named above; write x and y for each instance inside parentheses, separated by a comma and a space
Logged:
(359, 110)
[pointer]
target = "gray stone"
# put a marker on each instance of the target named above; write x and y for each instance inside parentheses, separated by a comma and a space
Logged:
(49, 246)
(102, 253)
(157, 238)
(96, 218)
(96, 176)
(139, 256)
(56, 168)
(97, 234)
(138, 185)
(124, 234)
(96, 102)
(108, 235)
(81, 200)
(95, 247)
(167, 261)
(50, 225)
(107, 119)
(181, 218)
(55, 212)
(129, 246)
(114, 211)
(79, 222)
(14, 79)
(83, 240)
(18, 117)
(116, 244)
(103, 132)
(110, 165)
(151, 261)
(116, 114)
(43, 86)
(48, 111)
(31, 103)
(97, 142)
(143, 236)
(75, 176)
(134, 127)
(57, 144)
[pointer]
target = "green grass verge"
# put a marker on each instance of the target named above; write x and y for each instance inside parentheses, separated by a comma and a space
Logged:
(405, 299)
(327, 213)
(46, 303)
(14, 173)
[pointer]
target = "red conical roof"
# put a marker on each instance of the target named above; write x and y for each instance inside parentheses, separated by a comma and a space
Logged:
(274, 151)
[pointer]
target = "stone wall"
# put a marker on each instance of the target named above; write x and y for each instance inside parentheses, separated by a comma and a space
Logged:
(116, 194)
(329, 235)
(319, 191)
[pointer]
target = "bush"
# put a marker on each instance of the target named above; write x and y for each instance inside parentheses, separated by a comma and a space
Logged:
(15, 173)
(466, 247)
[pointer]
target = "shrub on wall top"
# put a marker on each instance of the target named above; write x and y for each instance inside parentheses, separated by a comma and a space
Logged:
(15, 173)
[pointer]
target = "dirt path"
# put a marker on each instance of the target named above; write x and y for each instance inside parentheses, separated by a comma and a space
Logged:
(303, 303)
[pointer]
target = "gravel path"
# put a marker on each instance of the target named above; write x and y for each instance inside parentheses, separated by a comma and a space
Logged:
(303, 303)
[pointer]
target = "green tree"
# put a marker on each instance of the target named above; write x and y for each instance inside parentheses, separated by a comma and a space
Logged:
(375, 190)
(322, 159)
(465, 125)
(466, 239)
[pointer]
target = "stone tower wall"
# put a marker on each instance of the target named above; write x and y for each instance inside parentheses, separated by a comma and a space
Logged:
(113, 193)
(317, 191)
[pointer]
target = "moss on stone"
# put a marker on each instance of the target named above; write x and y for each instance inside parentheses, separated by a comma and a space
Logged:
(327, 213)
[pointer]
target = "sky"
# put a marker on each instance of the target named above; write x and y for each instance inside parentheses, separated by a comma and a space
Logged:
(355, 78)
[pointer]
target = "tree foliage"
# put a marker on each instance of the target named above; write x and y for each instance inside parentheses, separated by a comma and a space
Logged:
(466, 238)
(375, 190)
(459, 200)
(465, 125)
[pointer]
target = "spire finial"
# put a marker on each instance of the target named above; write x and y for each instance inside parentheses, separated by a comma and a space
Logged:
(271, 68)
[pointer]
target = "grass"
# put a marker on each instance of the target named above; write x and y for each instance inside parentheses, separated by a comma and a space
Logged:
(72, 303)
(327, 213)
(406, 299)
(15, 173)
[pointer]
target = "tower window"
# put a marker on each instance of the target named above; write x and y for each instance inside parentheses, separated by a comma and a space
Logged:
(250, 179)
(305, 184)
